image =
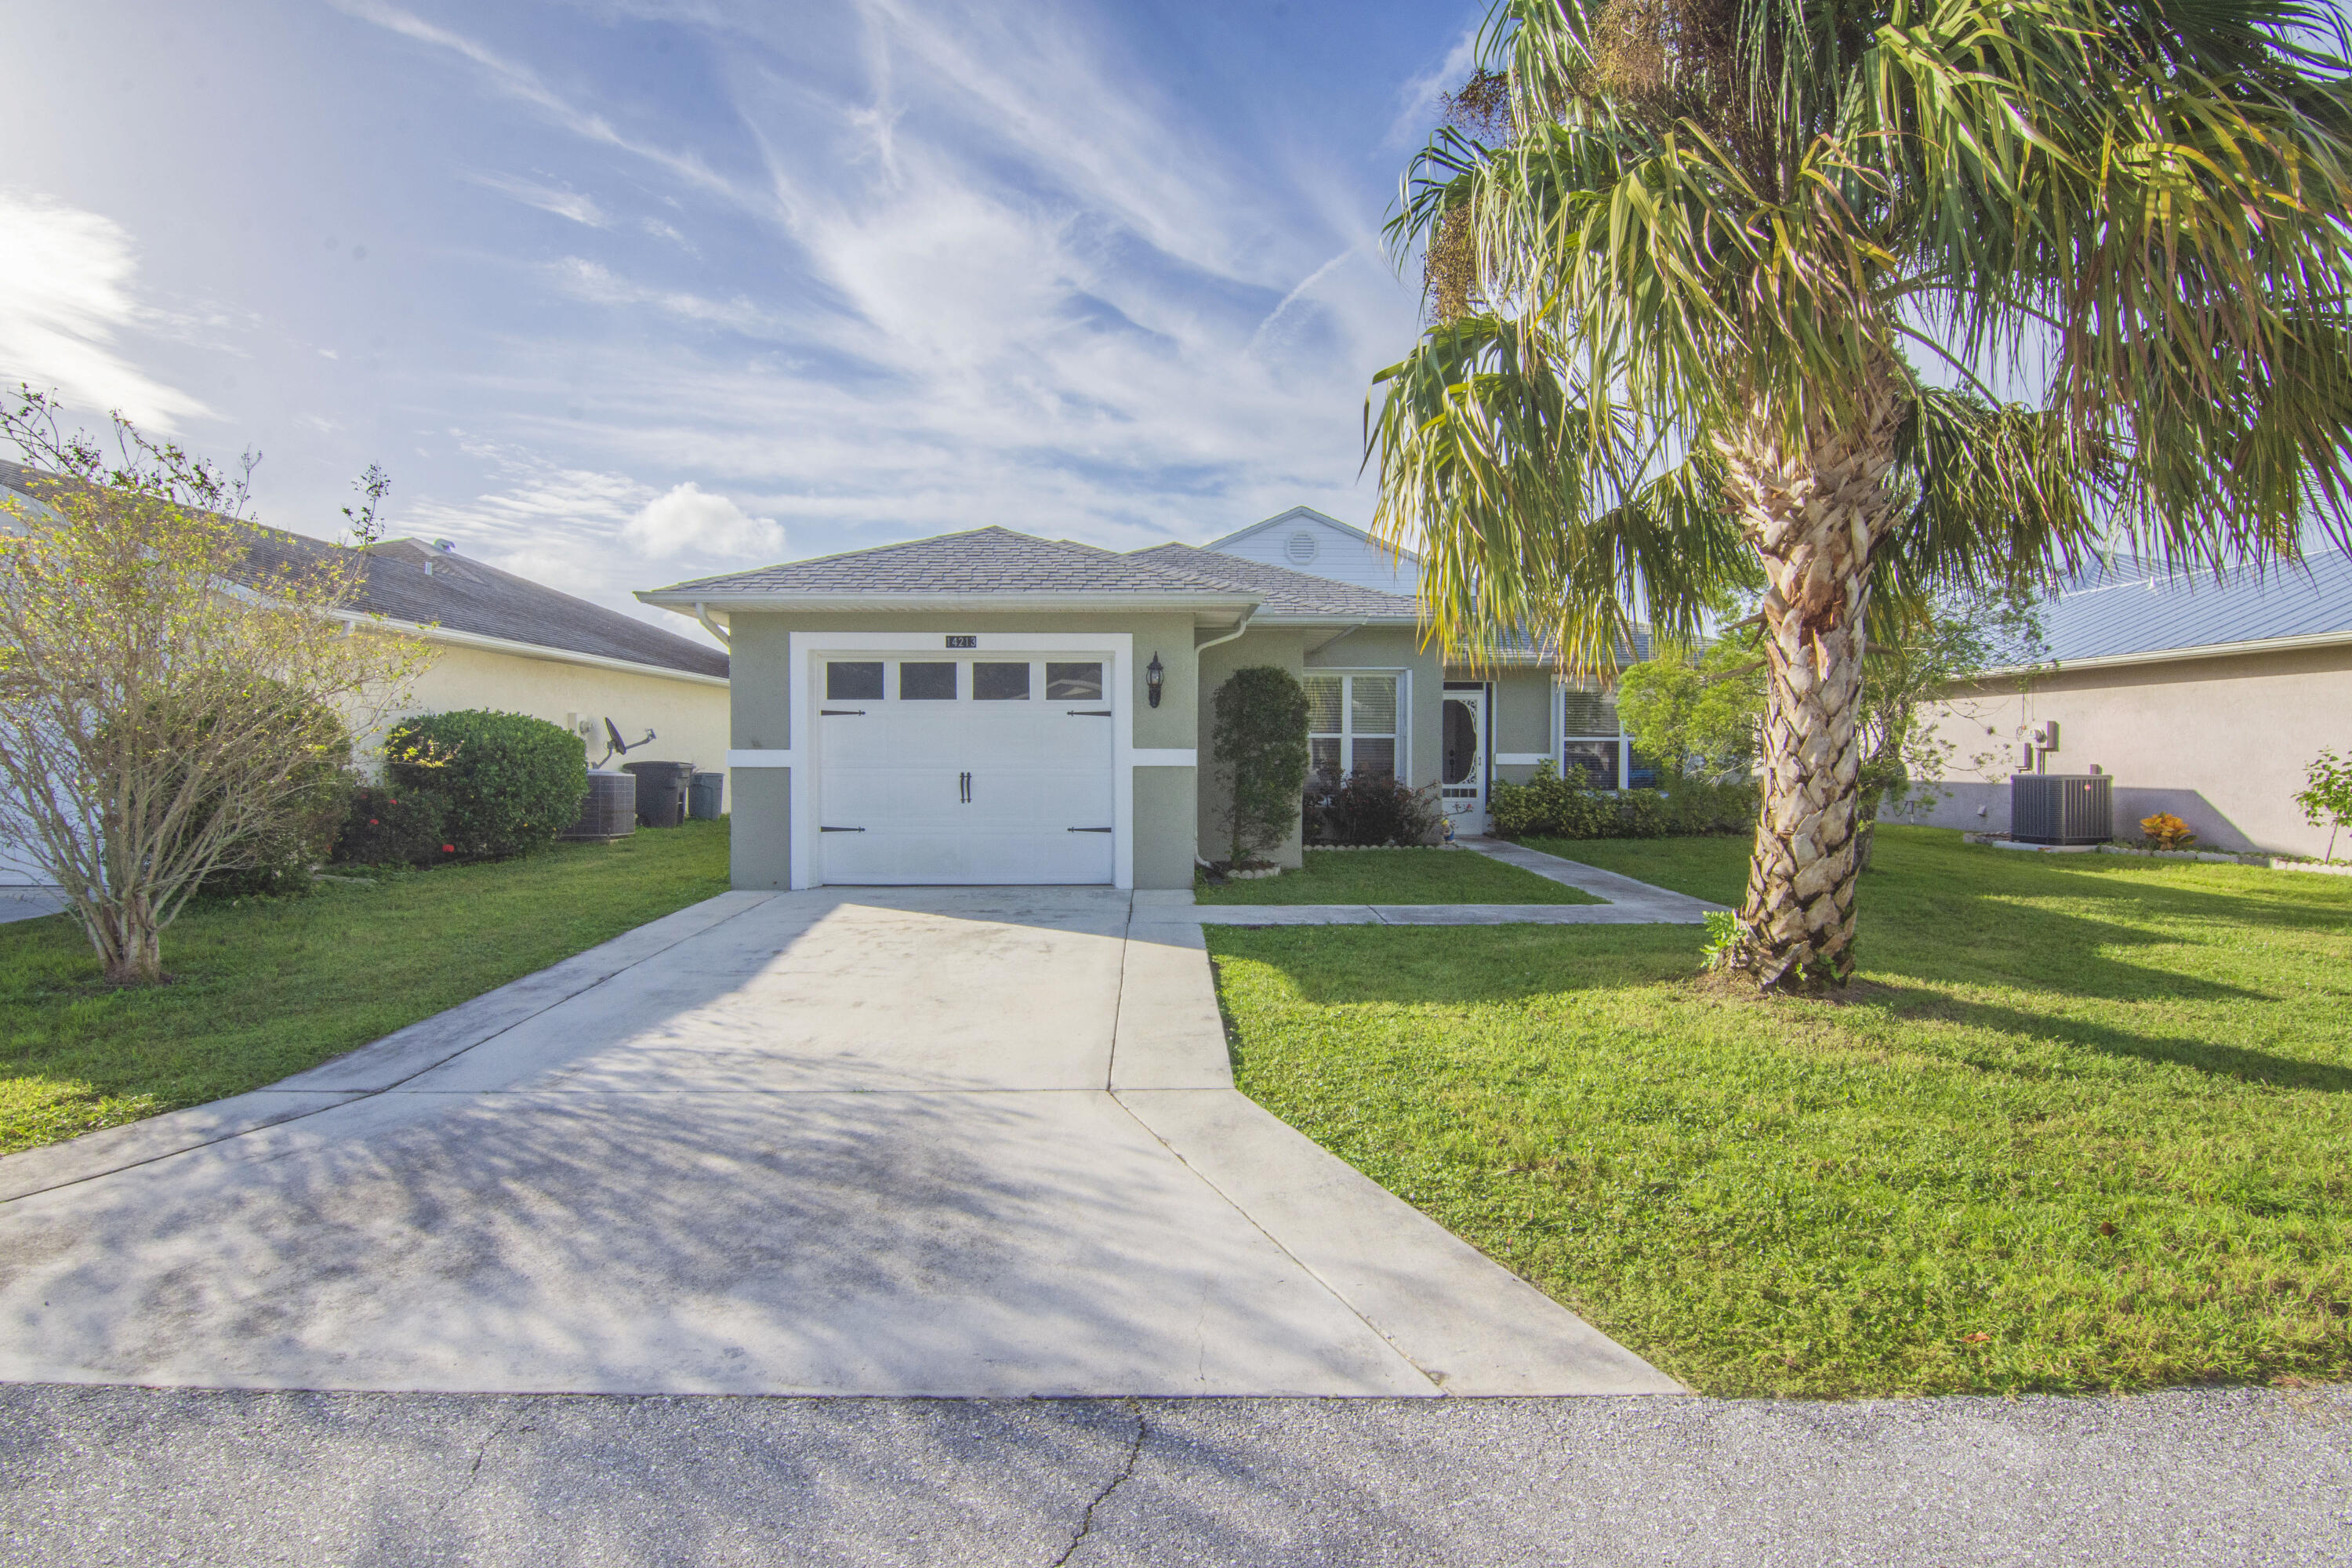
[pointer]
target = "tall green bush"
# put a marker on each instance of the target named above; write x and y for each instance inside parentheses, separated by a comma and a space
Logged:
(1550, 806)
(1260, 759)
(508, 783)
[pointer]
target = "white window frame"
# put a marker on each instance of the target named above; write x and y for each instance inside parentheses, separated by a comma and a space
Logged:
(1561, 738)
(1402, 738)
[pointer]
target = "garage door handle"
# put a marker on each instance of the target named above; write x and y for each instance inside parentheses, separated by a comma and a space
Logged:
(1092, 830)
(963, 783)
(841, 713)
(1087, 712)
(841, 830)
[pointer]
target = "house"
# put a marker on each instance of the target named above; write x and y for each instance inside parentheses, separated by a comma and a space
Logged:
(2203, 698)
(990, 706)
(504, 642)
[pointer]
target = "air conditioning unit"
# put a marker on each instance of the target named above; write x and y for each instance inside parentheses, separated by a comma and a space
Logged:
(2062, 808)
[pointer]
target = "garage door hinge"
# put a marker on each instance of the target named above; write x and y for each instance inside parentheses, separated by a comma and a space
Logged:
(841, 713)
(1088, 712)
(1091, 830)
(841, 830)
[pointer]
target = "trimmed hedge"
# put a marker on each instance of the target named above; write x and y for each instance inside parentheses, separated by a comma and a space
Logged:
(1550, 806)
(1259, 754)
(508, 783)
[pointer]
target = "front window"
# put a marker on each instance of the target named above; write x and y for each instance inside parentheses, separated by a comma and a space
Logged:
(1592, 741)
(1351, 726)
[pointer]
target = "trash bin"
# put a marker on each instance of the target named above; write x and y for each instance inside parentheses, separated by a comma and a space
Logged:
(661, 792)
(707, 796)
(607, 812)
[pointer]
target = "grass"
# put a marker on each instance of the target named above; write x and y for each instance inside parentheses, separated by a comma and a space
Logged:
(1715, 870)
(265, 987)
(1397, 877)
(2084, 1123)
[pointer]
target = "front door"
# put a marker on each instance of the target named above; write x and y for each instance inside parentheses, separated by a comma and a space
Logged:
(1462, 782)
(985, 769)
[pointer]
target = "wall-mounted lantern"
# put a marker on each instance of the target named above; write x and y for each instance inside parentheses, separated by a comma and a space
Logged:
(1152, 677)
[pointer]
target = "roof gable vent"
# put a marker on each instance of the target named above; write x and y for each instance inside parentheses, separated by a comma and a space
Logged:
(1300, 547)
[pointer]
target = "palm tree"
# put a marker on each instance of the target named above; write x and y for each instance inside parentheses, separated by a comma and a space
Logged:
(1687, 260)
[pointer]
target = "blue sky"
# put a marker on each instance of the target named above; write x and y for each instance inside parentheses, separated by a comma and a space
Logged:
(623, 293)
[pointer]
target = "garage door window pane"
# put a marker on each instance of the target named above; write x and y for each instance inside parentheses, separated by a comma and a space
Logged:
(853, 682)
(1372, 705)
(926, 682)
(1074, 683)
(1000, 682)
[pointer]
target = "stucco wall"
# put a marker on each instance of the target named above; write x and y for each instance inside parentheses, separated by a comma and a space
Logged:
(2219, 742)
(1523, 719)
(763, 721)
(689, 717)
(1399, 648)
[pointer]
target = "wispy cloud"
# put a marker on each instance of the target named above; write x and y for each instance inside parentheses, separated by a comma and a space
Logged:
(579, 208)
(67, 296)
(525, 86)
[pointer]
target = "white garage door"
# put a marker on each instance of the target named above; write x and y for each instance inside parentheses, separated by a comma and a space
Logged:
(977, 770)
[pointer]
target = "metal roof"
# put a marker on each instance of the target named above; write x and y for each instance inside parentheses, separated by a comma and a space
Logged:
(2134, 609)
(983, 560)
(468, 596)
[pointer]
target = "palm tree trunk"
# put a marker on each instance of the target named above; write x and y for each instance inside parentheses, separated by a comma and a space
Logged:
(1814, 514)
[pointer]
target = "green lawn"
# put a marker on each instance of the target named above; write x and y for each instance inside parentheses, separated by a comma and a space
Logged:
(1397, 877)
(266, 987)
(2084, 1123)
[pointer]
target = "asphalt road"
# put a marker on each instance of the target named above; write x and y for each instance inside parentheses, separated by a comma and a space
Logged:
(108, 1475)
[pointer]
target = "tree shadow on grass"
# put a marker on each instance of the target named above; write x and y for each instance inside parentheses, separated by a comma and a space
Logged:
(1901, 1004)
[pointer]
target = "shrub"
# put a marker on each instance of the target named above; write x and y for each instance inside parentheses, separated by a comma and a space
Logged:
(2165, 831)
(393, 825)
(1376, 809)
(2327, 799)
(508, 783)
(1550, 806)
(277, 845)
(1261, 755)
(278, 860)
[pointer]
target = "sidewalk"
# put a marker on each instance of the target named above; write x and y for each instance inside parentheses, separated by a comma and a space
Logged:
(1630, 903)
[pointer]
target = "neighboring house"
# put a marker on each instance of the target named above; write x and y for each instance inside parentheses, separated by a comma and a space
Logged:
(2203, 698)
(504, 642)
(995, 707)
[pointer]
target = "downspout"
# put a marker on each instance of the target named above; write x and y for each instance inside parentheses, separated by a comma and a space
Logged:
(1239, 628)
(713, 627)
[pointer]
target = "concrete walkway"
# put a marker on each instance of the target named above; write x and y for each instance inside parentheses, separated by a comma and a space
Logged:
(1629, 902)
(972, 1141)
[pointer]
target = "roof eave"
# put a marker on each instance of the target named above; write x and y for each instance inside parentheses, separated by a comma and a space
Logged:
(2173, 655)
(738, 602)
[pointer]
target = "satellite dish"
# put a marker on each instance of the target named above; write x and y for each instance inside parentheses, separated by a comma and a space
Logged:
(613, 743)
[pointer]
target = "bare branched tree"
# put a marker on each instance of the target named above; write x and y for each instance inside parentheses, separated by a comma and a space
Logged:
(168, 685)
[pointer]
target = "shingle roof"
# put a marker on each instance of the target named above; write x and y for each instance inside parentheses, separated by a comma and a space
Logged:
(2133, 607)
(467, 595)
(1281, 591)
(984, 561)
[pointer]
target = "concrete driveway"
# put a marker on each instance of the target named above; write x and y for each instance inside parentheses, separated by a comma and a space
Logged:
(928, 1141)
